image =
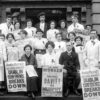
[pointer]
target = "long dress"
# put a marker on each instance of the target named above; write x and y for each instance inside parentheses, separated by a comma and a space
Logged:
(31, 81)
(3, 58)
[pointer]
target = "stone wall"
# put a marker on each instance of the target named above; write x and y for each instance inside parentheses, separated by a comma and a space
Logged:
(96, 15)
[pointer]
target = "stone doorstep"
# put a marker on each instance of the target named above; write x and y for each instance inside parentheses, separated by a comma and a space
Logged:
(21, 97)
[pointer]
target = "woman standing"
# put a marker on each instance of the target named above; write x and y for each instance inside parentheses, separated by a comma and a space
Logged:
(50, 58)
(63, 29)
(60, 46)
(16, 31)
(51, 33)
(29, 58)
(10, 40)
(12, 51)
(3, 58)
(30, 30)
(22, 42)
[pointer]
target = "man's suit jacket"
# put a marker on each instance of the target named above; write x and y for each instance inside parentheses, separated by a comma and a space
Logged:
(45, 28)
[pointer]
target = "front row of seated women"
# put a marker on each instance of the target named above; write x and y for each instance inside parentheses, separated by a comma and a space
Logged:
(69, 59)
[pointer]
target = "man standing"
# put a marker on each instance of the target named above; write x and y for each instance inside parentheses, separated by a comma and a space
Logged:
(42, 25)
(92, 50)
(75, 26)
(7, 27)
(71, 66)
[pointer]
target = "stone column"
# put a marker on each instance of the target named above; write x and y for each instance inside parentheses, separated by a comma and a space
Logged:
(96, 15)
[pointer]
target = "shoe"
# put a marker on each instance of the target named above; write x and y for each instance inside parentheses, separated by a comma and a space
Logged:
(33, 96)
(67, 93)
(77, 93)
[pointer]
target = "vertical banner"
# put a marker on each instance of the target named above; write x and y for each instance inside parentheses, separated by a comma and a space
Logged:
(16, 76)
(90, 84)
(52, 80)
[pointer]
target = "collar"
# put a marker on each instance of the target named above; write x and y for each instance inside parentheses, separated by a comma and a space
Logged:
(69, 52)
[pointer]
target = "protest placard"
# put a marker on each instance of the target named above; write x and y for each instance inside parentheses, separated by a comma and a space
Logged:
(90, 80)
(31, 71)
(52, 80)
(16, 76)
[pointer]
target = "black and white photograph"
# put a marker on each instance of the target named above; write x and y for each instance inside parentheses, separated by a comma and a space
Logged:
(49, 49)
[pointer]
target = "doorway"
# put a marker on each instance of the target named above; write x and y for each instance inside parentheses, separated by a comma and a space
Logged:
(56, 14)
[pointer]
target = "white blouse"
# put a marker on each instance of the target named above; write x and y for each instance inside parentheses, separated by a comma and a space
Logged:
(51, 34)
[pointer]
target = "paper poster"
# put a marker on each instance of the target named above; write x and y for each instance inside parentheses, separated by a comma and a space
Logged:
(31, 71)
(52, 80)
(90, 80)
(16, 76)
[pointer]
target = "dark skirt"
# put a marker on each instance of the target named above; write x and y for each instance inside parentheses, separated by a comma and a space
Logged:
(31, 84)
(39, 71)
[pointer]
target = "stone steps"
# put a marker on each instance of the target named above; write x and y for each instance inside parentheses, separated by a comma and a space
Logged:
(22, 97)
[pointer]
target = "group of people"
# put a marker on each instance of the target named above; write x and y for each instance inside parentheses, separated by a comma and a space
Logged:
(74, 47)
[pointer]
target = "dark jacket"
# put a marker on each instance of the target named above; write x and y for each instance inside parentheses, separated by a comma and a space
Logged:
(45, 28)
(70, 61)
(29, 60)
(31, 81)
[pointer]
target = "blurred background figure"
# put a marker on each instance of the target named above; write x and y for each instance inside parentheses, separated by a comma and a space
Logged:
(63, 29)
(75, 26)
(16, 31)
(7, 27)
(30, 30)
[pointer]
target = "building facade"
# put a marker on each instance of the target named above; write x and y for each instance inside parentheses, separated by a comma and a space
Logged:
(87, 10)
